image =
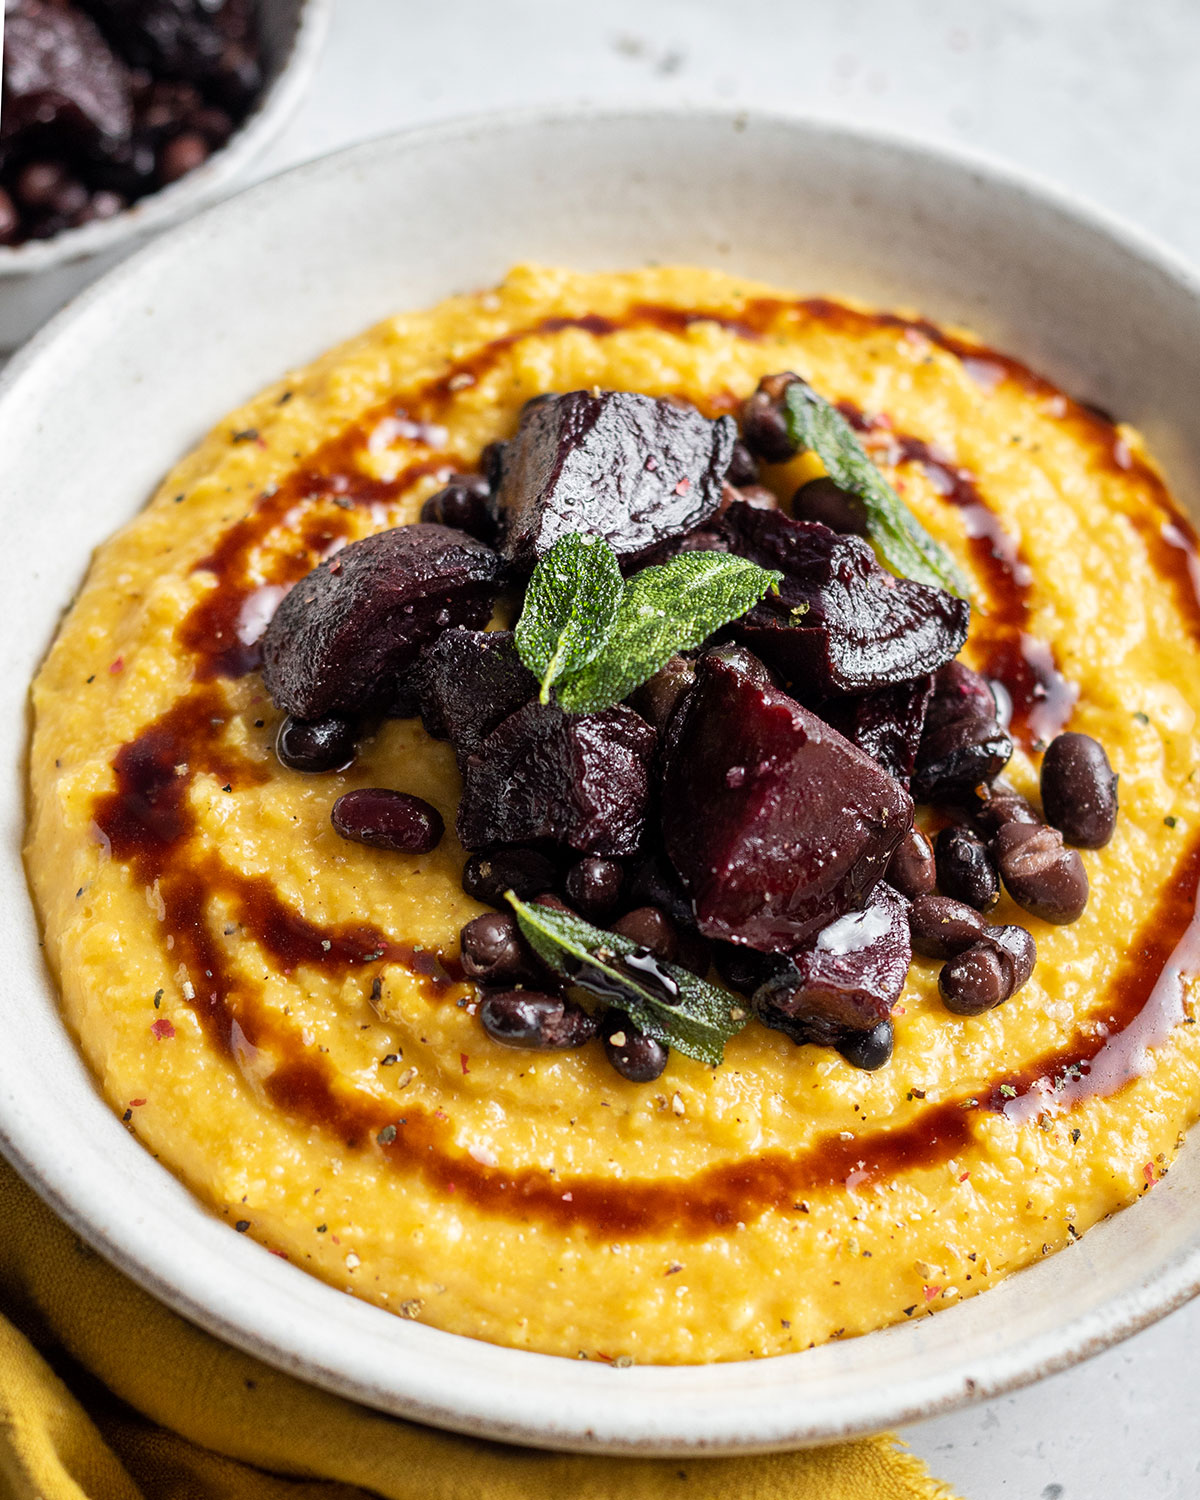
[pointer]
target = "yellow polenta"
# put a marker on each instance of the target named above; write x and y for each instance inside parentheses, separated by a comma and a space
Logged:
(339, 1102)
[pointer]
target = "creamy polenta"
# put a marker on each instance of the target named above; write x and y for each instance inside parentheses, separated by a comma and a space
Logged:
(275, 1012)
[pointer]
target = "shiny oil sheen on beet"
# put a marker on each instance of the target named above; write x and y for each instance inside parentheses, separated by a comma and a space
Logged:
(777, 825)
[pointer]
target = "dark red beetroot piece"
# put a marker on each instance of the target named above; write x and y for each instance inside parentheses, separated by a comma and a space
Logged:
(886, 724)
(963, 745)
(839, 623)
(577, 779)
(632, 468)
(776, 824)
(61, 75)
(207, 42)
(848, 981)
(344, 633)
(468, 682)
(83, 134)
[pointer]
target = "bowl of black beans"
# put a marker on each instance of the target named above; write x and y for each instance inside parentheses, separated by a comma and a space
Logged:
(122, 116)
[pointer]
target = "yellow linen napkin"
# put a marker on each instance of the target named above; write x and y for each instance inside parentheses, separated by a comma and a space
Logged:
(128, 1401)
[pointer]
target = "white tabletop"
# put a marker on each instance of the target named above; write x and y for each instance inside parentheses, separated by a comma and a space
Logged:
(1100, 95)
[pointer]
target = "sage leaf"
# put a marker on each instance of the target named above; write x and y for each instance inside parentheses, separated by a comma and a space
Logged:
(901, 541)
(570, 606)
(698, 1024)
(673, 607)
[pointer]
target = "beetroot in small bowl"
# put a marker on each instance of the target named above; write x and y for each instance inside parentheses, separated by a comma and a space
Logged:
(121, 116)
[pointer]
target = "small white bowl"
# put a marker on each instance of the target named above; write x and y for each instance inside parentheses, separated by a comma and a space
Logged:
(95, 410)
(36, 278)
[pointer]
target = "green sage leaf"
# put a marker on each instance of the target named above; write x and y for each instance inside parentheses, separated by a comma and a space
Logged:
(902, 542)
(570, 606)
(698, 1025)
(665, 609)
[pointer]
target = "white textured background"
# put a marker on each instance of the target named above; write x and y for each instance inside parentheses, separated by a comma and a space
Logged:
(1101, 95)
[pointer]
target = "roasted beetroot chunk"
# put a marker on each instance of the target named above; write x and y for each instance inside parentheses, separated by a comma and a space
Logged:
(776, 824)
(839, 623)
(62, 78)
(848, 981)
(577, 779)
(962, 746)
(469, 680)
(343, 634)
(886, 724)
(633, 469)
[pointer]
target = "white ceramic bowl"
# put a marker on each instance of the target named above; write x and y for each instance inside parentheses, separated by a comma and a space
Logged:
(102, 402)
(36, 278)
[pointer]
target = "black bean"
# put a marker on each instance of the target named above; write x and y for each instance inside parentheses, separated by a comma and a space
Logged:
(653, 882)
(531, 1019)
(695, 952)
(492, 949)
(966, 871)
(822, 500)
(1079, 790)
(491, 463)
(941, 928)
(1019, 944)
(634, 1055)
(594, 886)
(764, 429)
(977, 980)
(316, 744)
(869, 1050)
(659, 696)
(911, 868)
(1000, 804)
(38, 183)
(463, 503)
(182, 154)
(388, 820)
(213, 124)
(71, 201)
(745, 969)
(525, 872)
(553, 901)
(1040, 873)
(652, 929)
(10, 218)
(743, 467)
(102, 205)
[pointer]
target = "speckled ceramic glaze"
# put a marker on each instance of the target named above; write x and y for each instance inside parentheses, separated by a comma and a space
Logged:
(123, 382)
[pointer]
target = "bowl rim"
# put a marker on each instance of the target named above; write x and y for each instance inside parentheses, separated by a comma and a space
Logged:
(167, 205)
(503, 1414)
